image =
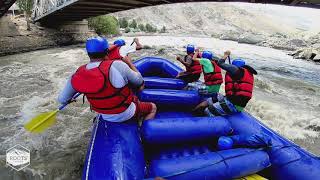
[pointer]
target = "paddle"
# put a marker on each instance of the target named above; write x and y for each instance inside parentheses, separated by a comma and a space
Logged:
(45, 120)
(127, 49)
(229, 59)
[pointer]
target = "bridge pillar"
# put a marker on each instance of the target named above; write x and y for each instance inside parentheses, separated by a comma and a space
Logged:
(74, 26)
(68, 26)
(75, 31)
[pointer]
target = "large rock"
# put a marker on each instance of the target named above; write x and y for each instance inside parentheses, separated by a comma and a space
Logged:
(7, 27)
(308, 54)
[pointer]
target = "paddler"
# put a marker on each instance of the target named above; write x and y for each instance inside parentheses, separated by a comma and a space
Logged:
(105, 83)
(119, 49)
(193, 68)
(239, 83)
(211, 70)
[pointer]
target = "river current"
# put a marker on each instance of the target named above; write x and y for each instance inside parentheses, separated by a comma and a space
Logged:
(286, 98)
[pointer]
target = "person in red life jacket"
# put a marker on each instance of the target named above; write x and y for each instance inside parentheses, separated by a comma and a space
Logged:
(105, 83)
(118, 50)
(193, 68)
(211, 70)
(239, 83)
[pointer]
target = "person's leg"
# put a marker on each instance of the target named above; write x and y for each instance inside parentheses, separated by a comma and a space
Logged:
(146, 110)
(152, 113)
(221, 107)
(189, 78)
(214, 108)
(200, 108)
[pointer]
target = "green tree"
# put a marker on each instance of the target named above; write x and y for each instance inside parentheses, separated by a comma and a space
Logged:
(141, 27)
(149, 28)
(163, 30)
(133, 24)
(26, 6)
(123, 23)
(104, 24)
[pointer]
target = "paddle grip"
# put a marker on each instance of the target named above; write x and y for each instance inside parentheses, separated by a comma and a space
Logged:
(74, 97)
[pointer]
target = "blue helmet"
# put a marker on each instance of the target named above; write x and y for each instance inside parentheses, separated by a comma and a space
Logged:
(97, 45)
(207, 55)
(238, 62)
(190, 48)
(119, 42)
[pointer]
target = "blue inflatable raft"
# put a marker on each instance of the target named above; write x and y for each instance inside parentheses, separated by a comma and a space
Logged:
(177, 145)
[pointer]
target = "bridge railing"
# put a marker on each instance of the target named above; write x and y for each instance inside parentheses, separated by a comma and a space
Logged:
(42, 7)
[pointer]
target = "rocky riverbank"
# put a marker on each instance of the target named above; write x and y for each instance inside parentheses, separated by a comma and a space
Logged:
(15, 38)
(311, 53)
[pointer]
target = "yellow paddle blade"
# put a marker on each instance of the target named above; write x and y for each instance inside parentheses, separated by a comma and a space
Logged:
(41, 122)
(252, 177)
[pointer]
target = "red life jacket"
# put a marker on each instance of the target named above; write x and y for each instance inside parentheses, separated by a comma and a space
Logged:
(215, 77)
(195, 67)
(114, 54)
(242, 87)
(102, 95)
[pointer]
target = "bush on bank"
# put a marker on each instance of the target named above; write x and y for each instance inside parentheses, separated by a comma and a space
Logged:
(104, 24)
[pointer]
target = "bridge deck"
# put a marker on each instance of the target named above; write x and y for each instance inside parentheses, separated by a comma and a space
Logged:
(72, 10)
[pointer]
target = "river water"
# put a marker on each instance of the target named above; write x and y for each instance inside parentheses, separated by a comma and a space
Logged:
(286, 98)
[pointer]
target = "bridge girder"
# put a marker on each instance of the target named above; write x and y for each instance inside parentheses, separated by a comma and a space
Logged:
(66, 10)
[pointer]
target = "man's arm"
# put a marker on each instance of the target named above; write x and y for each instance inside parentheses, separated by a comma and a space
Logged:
(187, 62)
(128, 61)
(130, 76)
(139, 45)
(67, 93)
(232, 69)
(195, 56)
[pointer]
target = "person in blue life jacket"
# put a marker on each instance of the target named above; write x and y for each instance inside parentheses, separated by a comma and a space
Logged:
(239, 83)
(105, 83)
(193, 68)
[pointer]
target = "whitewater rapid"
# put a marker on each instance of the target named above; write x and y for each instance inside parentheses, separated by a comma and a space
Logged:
(286, 98)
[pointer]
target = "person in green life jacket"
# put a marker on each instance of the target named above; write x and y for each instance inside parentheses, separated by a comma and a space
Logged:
(239, 83)
(193, 68)
(211, 71)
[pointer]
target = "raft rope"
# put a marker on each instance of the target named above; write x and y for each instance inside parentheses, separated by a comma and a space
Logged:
(91, 147)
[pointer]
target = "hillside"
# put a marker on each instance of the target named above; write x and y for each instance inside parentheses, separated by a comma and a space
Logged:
(281, 27)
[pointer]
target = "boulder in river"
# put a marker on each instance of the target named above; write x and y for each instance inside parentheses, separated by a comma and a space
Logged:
(308, 54)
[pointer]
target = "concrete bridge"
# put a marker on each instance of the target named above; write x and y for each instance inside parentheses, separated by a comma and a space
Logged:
(75, 10)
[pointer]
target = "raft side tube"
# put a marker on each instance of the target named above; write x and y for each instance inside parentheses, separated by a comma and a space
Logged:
(115, 152)
(178, 130)
(173, 114)
(170, 98)
(156, 66)
(163, 83)
(289, 161)
(222, 165)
